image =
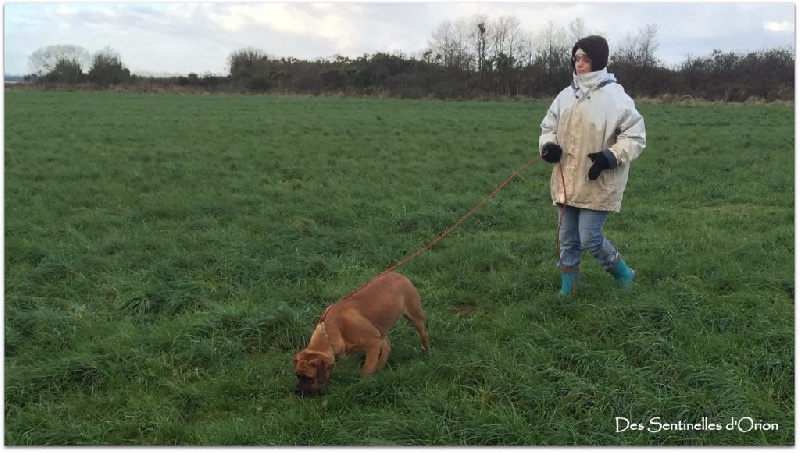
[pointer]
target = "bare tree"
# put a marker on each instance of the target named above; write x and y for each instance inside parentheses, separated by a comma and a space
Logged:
(446, 45)
(478, 27)
(507, 36)
(576, 30)
(638, 50)
(648, 44)
(553, 48)
(450, 43)
(625, 52)
(481, 47)
(44, 60)
(526, 49)
(473, 43)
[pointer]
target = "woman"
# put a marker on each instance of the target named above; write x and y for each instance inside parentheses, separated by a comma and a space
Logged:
(593, 133)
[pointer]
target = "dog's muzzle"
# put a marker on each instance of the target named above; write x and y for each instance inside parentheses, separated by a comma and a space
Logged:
(305, 386)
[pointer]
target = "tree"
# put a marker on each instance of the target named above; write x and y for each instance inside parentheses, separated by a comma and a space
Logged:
(481, 46)
(251, 68)
(475, 29)
(576, 30)
(443, 44)
(44, 60)
(638, 50)
(648, 44)
(65, 71)
(249, 62)
(107, 69)
(552, 63)
(448, 45)
(553, 53)
(506, 75)
(474, 43)
(526, 49)
(507, 37)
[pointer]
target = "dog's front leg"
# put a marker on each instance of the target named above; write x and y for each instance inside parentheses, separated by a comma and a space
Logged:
(371, 361)
(377, 354)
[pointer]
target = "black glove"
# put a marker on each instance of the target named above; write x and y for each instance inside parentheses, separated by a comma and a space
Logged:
(600, 163)
(551, 152)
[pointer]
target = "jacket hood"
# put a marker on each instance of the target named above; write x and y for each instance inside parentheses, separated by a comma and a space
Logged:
(592, 80)
(597, 49)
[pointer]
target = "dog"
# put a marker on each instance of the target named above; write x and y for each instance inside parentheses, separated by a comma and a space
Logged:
(359, 323)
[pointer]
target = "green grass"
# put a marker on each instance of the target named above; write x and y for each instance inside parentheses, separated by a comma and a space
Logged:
(166, 256)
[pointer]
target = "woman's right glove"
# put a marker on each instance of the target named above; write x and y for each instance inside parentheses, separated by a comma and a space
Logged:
(551, 152)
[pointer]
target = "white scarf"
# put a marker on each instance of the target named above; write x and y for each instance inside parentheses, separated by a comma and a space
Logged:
(592, 80)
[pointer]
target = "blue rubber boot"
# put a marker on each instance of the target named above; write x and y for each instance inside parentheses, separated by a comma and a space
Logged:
(569, 281)
(624, 275)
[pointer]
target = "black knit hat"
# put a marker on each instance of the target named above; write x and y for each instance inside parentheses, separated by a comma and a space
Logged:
(596, 47)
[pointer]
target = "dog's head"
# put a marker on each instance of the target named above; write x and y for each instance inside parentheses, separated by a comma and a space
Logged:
(313, 369)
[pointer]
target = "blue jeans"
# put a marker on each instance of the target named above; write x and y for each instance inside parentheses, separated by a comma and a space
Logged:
(582, 229)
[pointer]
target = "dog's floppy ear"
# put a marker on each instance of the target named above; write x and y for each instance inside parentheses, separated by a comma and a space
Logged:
(297, 361)
(302, 363)
(323, 371)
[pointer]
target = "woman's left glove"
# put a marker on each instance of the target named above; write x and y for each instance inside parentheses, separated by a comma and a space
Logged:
(600, 163)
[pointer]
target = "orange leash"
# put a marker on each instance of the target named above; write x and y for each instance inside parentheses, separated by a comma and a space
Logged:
(446, 232)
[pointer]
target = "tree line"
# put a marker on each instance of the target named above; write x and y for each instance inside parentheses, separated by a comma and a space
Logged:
(470, 58)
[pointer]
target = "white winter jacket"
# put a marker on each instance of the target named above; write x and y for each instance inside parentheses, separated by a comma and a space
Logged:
(593, 114)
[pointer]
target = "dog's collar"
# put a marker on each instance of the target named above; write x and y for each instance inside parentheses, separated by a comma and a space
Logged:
(327, 337)
(324, 314)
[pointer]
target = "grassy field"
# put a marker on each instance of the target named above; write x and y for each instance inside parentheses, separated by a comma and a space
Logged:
(166, 256)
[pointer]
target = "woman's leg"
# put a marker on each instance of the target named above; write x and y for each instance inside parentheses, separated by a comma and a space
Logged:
(569, 249)
(569, 238)
(603, 251)
(591, 236)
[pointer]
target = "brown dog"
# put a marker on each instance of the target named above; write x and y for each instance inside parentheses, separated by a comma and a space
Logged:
(359, 323)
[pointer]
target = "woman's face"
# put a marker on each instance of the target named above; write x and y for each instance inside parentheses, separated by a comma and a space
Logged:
(583, 64)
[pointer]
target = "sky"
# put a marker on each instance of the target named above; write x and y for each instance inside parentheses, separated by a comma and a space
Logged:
(179, 38)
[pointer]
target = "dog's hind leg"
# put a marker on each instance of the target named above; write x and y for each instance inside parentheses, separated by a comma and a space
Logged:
(386, 348)
(419, 323)
(417, 318)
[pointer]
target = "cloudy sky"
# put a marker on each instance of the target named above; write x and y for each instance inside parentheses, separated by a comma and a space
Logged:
(181, 38)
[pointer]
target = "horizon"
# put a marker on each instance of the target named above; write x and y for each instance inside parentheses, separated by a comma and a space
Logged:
(173, 39)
